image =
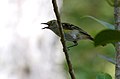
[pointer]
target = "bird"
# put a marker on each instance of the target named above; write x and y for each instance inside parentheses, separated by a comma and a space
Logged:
(71, 32)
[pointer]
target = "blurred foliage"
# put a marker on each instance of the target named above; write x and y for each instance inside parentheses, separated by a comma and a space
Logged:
(84, 57)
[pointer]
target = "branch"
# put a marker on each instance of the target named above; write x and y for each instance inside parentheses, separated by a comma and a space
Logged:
(63, 39)
(117, 27)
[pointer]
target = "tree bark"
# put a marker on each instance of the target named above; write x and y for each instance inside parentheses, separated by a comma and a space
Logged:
(117, 27)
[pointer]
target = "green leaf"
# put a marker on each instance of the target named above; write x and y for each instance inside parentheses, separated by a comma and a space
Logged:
(107, 36)
(105, 24)
(110, 2)
(103, 76)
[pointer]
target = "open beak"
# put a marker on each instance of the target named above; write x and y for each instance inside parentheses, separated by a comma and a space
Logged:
(44, 23)
(45, 27)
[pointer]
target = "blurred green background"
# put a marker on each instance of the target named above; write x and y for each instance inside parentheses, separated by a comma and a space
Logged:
(86, 63)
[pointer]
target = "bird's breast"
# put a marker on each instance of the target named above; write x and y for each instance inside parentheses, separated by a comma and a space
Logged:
(71, 35)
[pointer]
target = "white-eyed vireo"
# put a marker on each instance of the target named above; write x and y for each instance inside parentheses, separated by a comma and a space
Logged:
(72, 33)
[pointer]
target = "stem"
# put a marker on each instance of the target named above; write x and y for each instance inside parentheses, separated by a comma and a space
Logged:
(63, 39)
(117, 27)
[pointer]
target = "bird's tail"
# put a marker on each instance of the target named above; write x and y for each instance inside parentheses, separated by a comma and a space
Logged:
(87, 35)
(91, 38)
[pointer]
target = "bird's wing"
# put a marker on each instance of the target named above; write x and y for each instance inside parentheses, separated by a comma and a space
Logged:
(69, 27)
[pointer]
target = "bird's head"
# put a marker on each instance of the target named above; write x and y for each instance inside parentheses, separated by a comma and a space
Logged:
(51, 24)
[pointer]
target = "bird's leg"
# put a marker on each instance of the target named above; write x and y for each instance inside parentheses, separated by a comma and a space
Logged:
(75, 44)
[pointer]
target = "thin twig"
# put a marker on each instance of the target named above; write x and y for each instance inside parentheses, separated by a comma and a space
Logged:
(63, 39)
